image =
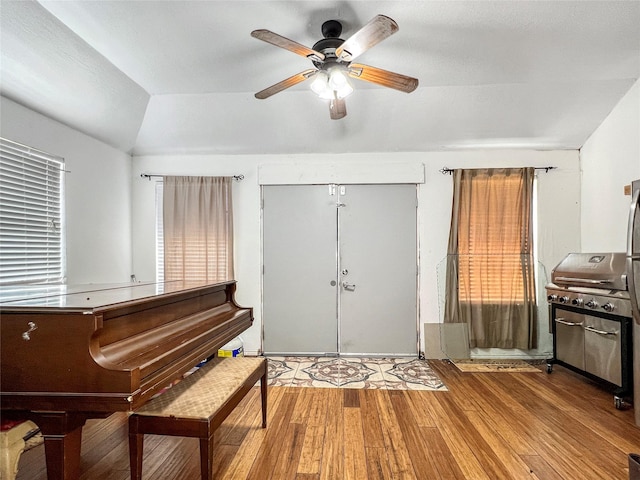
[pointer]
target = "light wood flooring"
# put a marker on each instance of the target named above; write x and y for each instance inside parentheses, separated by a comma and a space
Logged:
(486, 426)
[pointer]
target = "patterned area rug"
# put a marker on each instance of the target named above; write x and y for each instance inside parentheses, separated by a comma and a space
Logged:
(476, 365)
(372, 373)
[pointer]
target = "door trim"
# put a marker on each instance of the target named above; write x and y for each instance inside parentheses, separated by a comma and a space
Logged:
(342, 173)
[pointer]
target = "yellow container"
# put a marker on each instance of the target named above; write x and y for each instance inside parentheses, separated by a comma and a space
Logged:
(234, 348)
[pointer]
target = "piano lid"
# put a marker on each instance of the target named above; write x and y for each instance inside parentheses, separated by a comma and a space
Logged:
(85, 297)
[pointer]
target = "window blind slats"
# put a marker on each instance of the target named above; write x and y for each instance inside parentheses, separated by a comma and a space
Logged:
(16, 181)
(491, 252)
(197, 242)
(31, 215)
(159, 234)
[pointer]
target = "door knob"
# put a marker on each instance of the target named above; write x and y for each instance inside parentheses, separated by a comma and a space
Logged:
(348, 286)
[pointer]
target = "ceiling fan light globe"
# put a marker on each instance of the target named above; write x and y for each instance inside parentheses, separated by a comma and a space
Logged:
(319, 85)
(337, 79)
(327, 94)
(344, 90)
(339, 83)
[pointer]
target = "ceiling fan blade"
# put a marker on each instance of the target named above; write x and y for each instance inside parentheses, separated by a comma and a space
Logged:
(284, 84)
(337, 108)
(282, 42)
(383, 77)
(371, 34)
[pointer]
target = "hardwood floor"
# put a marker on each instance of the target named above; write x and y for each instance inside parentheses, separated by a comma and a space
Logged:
(487, 426)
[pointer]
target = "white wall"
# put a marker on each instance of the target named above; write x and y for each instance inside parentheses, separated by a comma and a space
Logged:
(558, 216)
(97, 189)
(610, 159)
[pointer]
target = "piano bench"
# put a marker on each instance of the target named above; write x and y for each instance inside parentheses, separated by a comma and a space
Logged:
(196, 406)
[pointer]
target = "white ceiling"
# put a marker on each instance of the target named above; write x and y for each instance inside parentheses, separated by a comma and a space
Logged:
(179, 76)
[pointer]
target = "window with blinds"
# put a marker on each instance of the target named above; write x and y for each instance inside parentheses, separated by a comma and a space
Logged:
(32, 237)
(491, 247)
(159, 235)
(194, 229)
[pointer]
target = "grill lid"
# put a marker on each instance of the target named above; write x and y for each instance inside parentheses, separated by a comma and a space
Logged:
(593, 270)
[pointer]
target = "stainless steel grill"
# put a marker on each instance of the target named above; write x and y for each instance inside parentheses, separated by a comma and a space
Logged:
(593, 281)
(590, 319)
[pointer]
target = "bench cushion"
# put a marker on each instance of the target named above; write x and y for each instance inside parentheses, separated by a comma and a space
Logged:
(201, 394)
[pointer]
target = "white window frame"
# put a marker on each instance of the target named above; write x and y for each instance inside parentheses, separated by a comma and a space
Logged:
(32, 217)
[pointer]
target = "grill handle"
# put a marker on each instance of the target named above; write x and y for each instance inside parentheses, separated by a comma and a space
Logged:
(600, 332)
(571, 324)
(583, 280)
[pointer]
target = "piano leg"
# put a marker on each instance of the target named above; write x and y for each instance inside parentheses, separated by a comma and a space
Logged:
(62, 433)
(63, 455)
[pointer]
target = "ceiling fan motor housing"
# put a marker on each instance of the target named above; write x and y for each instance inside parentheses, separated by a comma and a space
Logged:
(331, 30)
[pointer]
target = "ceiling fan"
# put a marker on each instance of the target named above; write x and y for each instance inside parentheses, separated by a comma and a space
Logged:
(332, 59)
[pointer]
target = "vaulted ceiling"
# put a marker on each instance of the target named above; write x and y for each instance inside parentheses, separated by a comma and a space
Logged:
(180, 76)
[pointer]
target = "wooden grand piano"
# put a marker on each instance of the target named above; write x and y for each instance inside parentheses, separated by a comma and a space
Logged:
(73, 353)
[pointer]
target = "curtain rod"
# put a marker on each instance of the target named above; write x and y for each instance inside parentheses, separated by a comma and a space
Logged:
(149, 176)
(449, 171)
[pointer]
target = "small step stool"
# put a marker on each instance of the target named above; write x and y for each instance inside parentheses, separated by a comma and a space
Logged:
(196, 407)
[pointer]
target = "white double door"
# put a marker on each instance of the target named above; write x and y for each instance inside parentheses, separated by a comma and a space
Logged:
(340, 270)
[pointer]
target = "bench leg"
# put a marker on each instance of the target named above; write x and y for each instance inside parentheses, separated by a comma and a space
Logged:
(136, 444)
(206, 458)
(263, 391)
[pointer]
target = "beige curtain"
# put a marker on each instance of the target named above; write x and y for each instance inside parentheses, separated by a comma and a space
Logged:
(198, 229)
(490, 268)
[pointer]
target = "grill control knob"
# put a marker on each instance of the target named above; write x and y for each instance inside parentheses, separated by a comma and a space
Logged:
(552, 298)
(608, 307)
(564, 299)
(577, 302)
(592, 303)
